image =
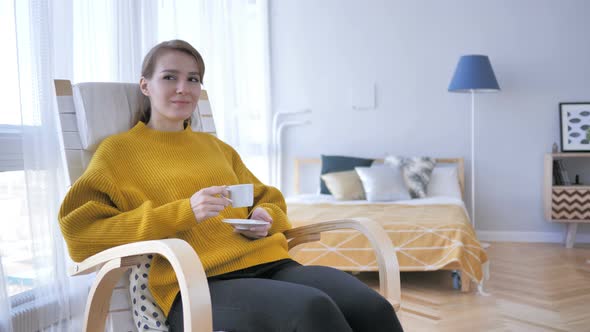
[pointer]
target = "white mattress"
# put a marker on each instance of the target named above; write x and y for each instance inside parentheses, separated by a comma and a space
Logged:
(329, 199)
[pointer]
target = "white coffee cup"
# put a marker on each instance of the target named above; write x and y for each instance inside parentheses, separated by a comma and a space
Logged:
(241, 195)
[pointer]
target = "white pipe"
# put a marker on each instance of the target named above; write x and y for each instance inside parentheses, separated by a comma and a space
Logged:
(279, 146)
(275, 120)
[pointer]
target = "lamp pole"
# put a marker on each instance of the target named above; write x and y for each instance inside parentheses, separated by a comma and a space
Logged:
(473, 158)
(473, 74)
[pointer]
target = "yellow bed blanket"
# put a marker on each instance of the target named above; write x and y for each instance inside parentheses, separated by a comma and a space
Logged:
(425, 237)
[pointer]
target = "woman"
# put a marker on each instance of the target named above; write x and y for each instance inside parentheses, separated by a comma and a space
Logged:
(160, 180)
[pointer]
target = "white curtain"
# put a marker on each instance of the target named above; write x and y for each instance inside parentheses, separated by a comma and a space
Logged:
(86, 40)
(111, 37)
(54, 297)
(234, 39)
(5, 310)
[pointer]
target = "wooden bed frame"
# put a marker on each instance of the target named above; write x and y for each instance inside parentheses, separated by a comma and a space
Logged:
(302, 162)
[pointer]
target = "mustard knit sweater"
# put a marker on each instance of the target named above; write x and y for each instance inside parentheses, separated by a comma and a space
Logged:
(137, 187)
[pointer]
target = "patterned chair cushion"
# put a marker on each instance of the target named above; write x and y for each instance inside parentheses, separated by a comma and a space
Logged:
(147, 316)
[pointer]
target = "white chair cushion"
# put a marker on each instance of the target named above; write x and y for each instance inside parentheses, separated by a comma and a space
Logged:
(113, 108)
(110, 107)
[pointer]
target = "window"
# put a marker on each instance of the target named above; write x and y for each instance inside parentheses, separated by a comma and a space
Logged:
(15, 244)
(10, 114)
(15, 238)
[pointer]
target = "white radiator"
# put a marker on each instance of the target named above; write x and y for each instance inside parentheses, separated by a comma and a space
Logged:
(34, 314)
(31, 315)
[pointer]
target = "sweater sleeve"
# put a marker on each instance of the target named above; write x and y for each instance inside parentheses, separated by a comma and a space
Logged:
(92, 219)
(267, 197)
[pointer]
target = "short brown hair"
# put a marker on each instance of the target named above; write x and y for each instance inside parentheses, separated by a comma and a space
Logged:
(149, 65)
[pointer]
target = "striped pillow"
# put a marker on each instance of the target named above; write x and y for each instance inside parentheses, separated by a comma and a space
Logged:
(416, 172)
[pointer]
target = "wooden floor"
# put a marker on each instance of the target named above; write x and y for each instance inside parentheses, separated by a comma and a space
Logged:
(532, 287)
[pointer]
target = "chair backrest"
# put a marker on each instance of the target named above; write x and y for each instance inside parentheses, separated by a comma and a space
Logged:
(90, 112)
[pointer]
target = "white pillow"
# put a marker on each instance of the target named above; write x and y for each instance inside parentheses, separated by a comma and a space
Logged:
(444, 181)
(382, 183)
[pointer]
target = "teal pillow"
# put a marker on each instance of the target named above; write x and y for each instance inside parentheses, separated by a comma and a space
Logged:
(331, 164)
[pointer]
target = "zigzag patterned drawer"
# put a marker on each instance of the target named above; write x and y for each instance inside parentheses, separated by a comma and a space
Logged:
(570, 204)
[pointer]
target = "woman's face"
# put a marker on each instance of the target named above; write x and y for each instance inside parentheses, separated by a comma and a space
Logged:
(173, 89)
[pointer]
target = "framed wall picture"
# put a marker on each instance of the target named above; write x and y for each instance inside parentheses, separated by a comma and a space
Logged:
(574, 120)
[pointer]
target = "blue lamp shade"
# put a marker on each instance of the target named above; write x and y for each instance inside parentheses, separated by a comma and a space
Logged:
(474, 73)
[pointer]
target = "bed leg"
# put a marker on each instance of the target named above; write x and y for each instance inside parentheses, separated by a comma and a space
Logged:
(465, 284)
(456, 279)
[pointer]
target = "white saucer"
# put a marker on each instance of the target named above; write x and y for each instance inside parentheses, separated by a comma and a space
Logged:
(244, 224)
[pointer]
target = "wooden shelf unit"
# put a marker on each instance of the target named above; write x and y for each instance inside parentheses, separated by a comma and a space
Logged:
(569, 204)
(565, 155)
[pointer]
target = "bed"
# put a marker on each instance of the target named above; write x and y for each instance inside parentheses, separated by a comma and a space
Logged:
(429, 234)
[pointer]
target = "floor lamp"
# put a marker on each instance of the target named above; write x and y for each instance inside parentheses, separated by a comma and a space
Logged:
(473, 74)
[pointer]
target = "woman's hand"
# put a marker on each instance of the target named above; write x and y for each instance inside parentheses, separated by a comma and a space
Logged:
(208, 202)
(257, 232)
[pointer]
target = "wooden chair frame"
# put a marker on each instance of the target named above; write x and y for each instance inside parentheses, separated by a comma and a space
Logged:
(112, 263)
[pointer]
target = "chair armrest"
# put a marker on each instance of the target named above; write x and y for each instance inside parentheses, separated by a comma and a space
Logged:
(112, 264)
(389, 278)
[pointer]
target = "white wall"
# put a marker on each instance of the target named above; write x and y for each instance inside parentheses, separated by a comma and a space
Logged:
(539, 49)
